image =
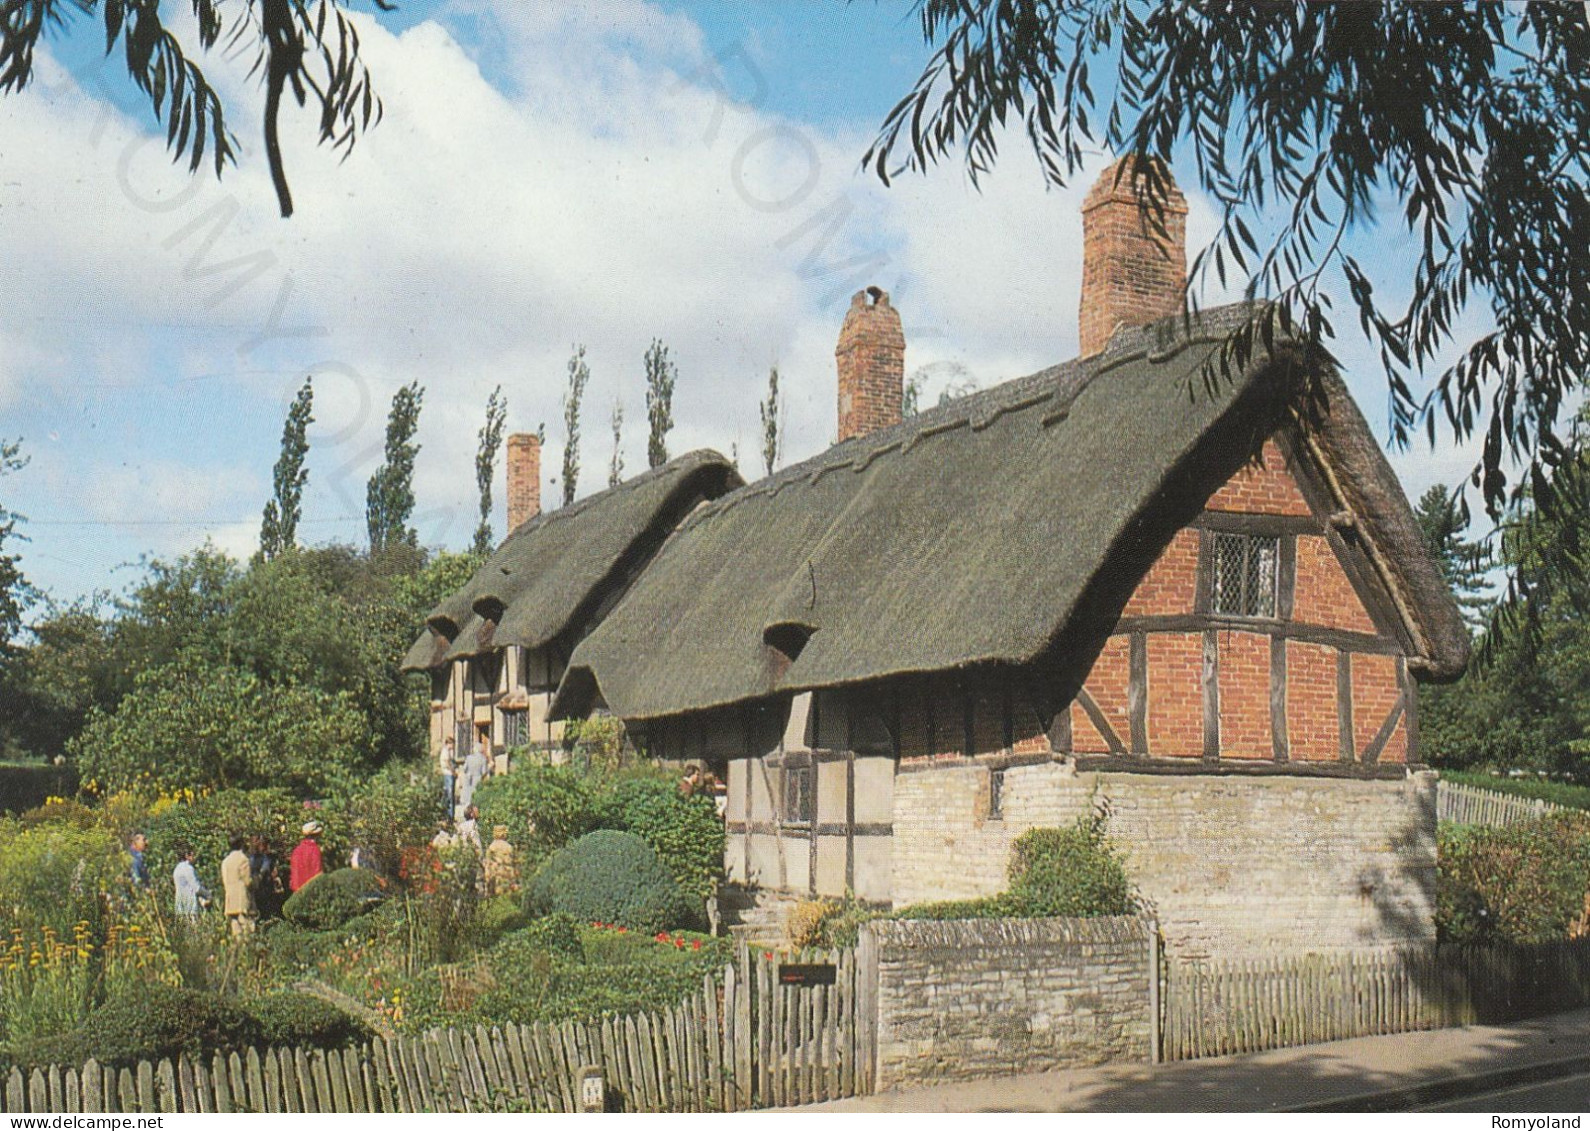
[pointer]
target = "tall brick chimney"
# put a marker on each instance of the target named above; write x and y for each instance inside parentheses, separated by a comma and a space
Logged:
(524, 478)
(1130, 274)
(871, 358)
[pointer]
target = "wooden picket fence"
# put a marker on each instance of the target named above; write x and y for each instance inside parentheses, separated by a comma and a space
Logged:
(1220, 1008)
(743, 1041)
(1472, 805)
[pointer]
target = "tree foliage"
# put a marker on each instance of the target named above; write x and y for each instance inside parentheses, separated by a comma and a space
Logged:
(389, 497)
(579, 375)
(15, 592)
(772, 424)
(1468, 119)
(279, 528)
(660, 376)
(490, 437)
(307, 49)
(615, 466)
(1442, 520)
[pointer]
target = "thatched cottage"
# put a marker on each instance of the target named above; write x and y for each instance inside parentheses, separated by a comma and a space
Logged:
(496, 649)
(1194, 594)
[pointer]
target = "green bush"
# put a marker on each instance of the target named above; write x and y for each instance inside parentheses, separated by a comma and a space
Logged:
(1071, 872)
(544, 807)
(158, 1021)
(1525, 883)
(556, 933)
(1054, 873)
(332, 899)
(294, 1020)
(608, 877)
(684, 832)
(499, 916)
(390, 814)
(57, 875)
(613, 973)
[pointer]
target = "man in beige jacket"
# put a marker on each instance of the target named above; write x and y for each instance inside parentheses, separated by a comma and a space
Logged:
(235, 877)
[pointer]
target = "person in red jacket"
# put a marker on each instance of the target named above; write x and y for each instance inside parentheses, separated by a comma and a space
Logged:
(305, 863)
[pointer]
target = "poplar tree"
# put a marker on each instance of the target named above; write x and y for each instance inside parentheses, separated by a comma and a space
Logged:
(615, 469)
(278, 530)
(389, 497)
(490, 437)
(579, 374)
(772, 426)
(660, 375)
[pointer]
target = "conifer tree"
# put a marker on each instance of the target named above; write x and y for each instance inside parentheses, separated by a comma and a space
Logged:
(772, 426)
(615, 469)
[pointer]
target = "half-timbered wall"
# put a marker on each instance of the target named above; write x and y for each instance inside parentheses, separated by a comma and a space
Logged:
(482, 693)
(1322, 679)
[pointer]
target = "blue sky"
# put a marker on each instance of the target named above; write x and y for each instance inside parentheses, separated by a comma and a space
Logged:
(545, 176)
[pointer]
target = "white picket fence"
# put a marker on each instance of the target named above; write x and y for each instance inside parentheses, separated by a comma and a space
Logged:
(1472, 805)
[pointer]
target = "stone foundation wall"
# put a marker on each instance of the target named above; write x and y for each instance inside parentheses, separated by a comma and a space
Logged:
(958, 1001)
(1230, 865)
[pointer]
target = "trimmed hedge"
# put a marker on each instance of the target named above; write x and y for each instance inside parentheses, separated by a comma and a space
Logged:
(163, 1021)
(332, 899)
(608, 877)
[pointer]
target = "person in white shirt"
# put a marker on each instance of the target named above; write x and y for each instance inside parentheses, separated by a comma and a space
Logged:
(192, 897)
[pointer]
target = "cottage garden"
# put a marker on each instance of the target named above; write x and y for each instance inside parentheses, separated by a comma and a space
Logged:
(607, 917)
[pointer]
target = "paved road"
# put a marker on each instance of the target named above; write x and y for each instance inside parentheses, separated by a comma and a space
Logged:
(1393, 1073)
(1569, 1094)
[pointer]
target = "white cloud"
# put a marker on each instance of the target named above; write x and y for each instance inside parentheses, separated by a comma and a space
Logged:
(607, 194)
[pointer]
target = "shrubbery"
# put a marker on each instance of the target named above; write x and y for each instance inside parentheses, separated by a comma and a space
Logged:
(164, 1021)
(331, 899)
(684, 832)
(544, 807)
(294, 1020)
(498, 916)
(206, 823)
(608, 877)
(1073, 872)
(157, 1021)
(57, 875)
(1526, 883)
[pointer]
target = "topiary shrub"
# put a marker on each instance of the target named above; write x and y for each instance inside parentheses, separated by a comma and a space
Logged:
(158, 1021)
(684, 832)
(331, 899)
(294, 1020)
(608, 877)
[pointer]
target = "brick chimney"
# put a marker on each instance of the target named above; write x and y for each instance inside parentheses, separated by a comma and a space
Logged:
(524, 478)
(1130, 274)
(871, 358)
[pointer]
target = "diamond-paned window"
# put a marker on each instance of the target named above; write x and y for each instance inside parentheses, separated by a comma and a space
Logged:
(515, 731)
(1245, 575)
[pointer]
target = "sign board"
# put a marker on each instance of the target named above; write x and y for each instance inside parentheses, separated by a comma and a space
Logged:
(807, 973)
(591, 1088)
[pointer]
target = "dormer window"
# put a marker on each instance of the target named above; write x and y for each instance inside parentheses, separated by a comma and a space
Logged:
(1245, 575)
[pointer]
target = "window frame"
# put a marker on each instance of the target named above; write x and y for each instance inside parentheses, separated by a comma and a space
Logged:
(803, 815)
(1254, 548)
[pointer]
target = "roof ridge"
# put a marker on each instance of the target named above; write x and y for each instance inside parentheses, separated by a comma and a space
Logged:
(696, 457)
(1062, 383)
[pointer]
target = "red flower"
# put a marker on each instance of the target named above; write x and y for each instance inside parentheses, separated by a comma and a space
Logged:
(696, 945)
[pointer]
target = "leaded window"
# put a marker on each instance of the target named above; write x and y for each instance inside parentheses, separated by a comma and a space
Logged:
(515, 732)
(1245, 575)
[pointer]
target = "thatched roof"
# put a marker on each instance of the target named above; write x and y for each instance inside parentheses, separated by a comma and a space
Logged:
(983, 532)
(555, 573)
